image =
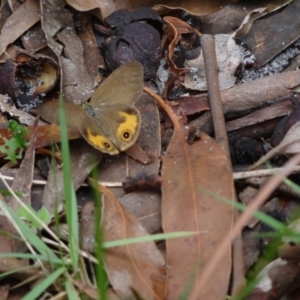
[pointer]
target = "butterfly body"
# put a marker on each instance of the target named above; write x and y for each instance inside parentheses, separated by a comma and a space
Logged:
(109, 122)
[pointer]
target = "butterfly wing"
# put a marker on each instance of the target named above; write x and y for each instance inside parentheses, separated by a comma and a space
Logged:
(95, 137)
(113, 129)
(123, 86)
(49, 111)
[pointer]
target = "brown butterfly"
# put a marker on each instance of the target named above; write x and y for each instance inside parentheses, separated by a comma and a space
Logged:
(109, 122)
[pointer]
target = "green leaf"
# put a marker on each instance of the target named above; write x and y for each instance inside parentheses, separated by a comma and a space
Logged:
(31, 237)
(13, 147)
(43, 214)
(19, 132)
(8, 193)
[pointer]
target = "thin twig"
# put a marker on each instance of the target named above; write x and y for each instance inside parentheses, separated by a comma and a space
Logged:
(260, 173)
(214, 95)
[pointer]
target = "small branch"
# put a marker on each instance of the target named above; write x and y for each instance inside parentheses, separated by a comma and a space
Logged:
(260, 173)
(214, 95)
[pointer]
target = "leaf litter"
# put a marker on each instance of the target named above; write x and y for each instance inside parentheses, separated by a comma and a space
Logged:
(182, 178)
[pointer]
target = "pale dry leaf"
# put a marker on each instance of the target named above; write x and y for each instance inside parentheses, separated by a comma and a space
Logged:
(229, 57)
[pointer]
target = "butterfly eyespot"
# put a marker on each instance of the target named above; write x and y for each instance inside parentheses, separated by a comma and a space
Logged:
(126, 135)
(107, 145)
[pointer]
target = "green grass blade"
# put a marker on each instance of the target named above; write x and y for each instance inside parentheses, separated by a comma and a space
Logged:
(54, 261)
(42, 286)
(70, 197)
(101, 276)
(71, 292)
(31, 237)
(6, 274)
(148, 238)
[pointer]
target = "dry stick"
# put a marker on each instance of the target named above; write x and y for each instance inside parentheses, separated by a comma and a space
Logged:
(260, 173)
(214, 95)
(267, 189)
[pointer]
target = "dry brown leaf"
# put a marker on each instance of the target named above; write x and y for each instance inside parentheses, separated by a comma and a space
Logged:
(77, 85)
(146, 206)
(232, 15)
(91, 54)
(188, 171)
(83, 159)
(17, 24)
(281, 26)
(138, 268)
(174, 29)
(200, 8)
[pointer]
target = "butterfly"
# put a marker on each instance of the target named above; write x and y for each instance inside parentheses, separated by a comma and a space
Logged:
(109, 122)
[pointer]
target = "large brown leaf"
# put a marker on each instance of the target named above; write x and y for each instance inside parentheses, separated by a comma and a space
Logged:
(188, 172)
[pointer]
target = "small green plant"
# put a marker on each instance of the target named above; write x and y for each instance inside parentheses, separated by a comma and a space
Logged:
(13, 147)
(43, 215)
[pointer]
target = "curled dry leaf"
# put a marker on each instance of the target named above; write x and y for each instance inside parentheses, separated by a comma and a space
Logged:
(35, 75)
(174, 29)
(28, 77)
